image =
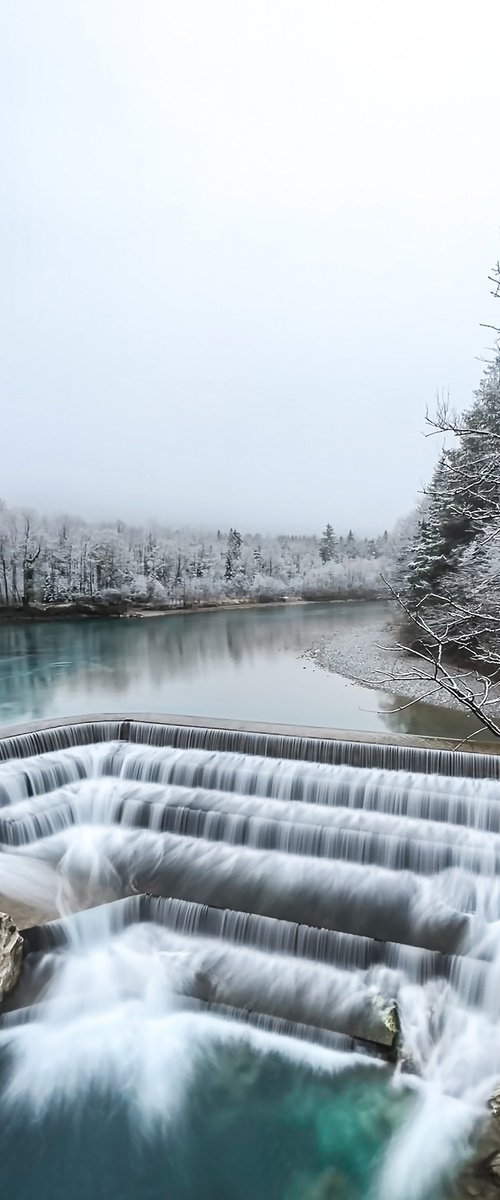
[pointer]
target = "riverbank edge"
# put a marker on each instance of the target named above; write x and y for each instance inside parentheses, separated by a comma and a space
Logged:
(376, 642)
(19, 615)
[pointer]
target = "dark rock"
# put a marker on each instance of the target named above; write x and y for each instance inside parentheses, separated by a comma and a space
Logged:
(11, 954)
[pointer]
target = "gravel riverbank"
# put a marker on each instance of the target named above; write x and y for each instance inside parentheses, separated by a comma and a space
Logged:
(362, 653)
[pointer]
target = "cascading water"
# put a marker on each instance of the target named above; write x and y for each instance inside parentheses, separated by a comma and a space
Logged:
(228, 930)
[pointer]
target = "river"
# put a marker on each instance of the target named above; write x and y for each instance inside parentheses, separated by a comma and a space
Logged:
(241, 664)
(243, 943)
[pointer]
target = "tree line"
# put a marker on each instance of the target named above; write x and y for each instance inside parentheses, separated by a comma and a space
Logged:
(65, 560)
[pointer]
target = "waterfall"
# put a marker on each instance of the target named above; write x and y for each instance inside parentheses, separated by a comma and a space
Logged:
(160, 732)
(337, 902)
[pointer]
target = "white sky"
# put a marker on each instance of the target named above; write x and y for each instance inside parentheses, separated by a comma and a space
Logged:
(242, 244)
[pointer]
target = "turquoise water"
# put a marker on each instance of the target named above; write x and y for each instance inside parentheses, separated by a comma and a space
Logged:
(252, 1127)
(247, 665)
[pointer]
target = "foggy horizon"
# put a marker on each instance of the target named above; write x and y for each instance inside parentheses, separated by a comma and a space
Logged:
(243, 247)
(108, 519)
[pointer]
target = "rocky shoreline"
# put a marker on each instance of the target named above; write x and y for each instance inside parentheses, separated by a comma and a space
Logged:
(364, 653)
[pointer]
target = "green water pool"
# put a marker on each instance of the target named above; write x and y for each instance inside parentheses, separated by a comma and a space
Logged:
(249, 1127)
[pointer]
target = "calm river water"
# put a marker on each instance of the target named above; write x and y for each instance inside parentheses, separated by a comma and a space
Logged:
(244, 664)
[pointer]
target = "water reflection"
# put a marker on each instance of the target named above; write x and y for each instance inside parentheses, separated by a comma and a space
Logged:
(242, 664)
(425, 719)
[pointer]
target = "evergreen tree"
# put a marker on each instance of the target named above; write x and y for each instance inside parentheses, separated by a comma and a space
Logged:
(431, 556)
(464, 495)
(327, 544)
(350, 545)
(234, 543)
(452, 588)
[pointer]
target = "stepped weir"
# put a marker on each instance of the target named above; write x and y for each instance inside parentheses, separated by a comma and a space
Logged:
(337, 895)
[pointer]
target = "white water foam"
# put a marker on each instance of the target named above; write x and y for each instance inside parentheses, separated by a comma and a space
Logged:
(90, 829)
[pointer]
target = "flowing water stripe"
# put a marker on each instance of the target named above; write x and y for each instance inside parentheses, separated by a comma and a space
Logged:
(343, 950)
(315, 749)
(220, 971)
(326, 1038)
(423, 856)
(461, 801)
(90, 864)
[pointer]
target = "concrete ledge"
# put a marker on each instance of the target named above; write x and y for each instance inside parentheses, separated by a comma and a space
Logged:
(322, 733)
(315, 744)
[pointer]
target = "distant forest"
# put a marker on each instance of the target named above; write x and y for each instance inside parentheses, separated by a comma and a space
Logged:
(443, 560)
(62, 561)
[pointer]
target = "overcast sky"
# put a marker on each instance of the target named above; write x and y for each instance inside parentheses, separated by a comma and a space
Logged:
(243, 242)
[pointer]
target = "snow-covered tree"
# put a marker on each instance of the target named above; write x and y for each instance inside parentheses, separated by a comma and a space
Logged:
(451, 591)
(63, 560)
(327, 544)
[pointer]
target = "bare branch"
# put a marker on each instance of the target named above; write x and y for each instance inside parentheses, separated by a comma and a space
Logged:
(432, 653)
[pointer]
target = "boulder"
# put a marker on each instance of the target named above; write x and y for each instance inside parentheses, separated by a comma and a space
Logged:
(11, 954)
(495, 1168)
(481, 1176)
(388, 1031)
